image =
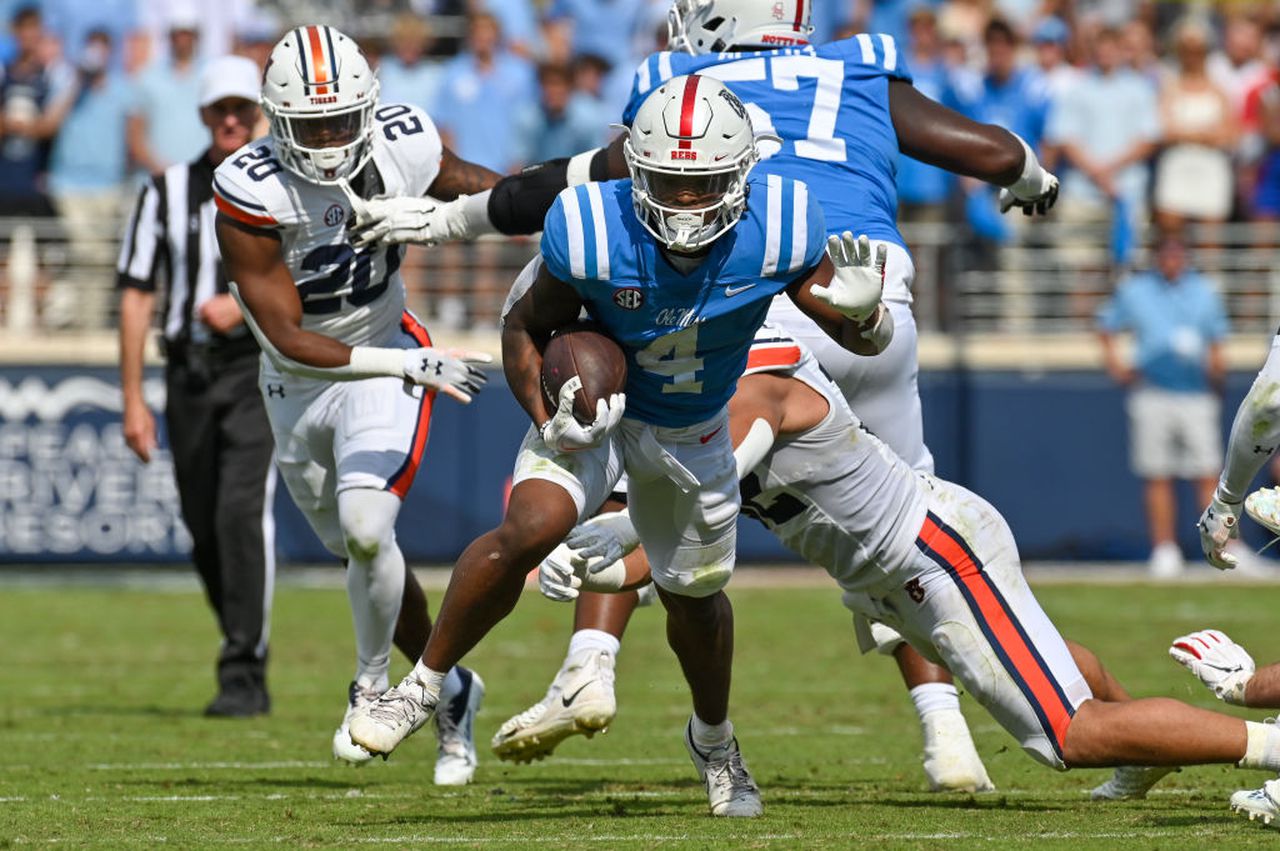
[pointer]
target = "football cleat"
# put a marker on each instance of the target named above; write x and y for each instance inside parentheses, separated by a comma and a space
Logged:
(1263, 505)
(382, 724)
(731, 791)
(951, 761)
(343, 748)
(579, 701)
(455, 720)
(1258, 804)
(1131, 782)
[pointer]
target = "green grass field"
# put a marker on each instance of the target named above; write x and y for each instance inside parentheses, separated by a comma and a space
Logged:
(102, 743)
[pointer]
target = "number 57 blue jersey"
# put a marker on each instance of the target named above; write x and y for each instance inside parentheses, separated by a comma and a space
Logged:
(830, 105)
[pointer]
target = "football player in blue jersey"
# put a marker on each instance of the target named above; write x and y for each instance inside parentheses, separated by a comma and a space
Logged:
(843, 111)
(679, 265)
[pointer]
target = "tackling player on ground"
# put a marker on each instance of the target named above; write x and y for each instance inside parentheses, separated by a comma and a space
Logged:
(937, 563)
(349, 376)
(679, 265)
(843, 112)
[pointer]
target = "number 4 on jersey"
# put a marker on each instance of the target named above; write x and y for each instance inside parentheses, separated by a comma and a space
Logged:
(674, 356)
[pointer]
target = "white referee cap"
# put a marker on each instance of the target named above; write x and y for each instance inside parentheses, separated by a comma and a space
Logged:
(230, 77)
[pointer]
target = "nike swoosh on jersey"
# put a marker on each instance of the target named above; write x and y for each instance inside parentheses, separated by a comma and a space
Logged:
(707, 437)
(732, 291)
(568, 701)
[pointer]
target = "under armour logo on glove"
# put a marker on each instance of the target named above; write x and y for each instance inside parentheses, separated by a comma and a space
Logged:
(452, 372)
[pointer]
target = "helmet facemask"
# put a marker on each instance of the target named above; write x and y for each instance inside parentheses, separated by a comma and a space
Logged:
(325, 147)
(687, 209)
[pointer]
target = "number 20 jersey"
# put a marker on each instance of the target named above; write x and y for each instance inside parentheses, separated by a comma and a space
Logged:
(686, 337)
(353, 295)
(830, 106)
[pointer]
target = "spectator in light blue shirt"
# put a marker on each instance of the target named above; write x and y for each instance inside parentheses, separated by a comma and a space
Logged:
(518, 23)
(483, 87)
(1010, 96)
(86, 178)
(604, 28)
(165, 127)
(1178, 321)
(73, 21)
(1106, 128)
(405, 75)
(559, 124)
(923, 189)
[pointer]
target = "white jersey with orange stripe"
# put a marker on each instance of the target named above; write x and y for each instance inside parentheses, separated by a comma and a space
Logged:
(352, 295)
(834, 494)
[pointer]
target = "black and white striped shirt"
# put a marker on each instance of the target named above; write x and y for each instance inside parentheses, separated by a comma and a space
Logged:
(170, 240)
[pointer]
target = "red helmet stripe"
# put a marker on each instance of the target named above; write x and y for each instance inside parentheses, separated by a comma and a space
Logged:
(319, 69)
(799, 15)
(687, 107)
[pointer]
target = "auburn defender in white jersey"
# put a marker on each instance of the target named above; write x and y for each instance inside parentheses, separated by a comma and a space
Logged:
(934, 561)
(348, 374)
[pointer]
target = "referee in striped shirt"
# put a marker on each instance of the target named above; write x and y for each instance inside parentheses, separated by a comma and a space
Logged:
(217, 424)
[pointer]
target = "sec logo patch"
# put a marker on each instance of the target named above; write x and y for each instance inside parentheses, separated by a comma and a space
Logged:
(335, 215)
(628, 298)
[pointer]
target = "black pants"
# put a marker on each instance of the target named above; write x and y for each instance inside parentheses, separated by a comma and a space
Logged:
(222, 450)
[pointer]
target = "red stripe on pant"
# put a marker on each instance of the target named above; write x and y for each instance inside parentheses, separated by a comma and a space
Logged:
(402, 480)
(999, 624)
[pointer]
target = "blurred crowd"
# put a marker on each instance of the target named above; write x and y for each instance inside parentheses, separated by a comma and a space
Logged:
(1150, 112)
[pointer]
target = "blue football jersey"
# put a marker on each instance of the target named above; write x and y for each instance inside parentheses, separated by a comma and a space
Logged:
(686, 337)
(830, 105)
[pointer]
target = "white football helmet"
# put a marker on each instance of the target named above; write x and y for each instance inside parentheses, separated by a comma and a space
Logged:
(319, 95)
(714, 26)
(689, 150)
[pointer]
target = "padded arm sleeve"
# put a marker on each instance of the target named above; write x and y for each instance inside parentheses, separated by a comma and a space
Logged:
(519, 203)
(1255, 432)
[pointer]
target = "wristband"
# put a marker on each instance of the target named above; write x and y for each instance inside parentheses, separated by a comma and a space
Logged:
(1031, 182)
(369, 362)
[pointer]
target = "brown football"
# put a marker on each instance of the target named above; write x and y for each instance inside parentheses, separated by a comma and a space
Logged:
(581, 349)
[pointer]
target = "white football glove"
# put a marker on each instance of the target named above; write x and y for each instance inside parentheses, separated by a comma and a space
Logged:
(1036, 189)
(451, 371)
(564, 433)
(1220, 663)
(383, 221)
(1219, 524)
(1263, 505)
(558, 578)
(590, 559)
(856, 286)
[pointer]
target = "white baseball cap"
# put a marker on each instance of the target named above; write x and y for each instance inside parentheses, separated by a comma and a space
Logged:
(230, 77)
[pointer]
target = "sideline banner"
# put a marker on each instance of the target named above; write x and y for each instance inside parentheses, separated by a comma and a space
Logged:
(70, 490)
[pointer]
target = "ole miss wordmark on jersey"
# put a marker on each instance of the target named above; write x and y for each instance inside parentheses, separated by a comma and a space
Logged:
(686, 336)
(830, 105)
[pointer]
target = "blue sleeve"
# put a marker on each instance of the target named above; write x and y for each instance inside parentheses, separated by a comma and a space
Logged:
(873, 54)
(1113, 315)
(555, 242)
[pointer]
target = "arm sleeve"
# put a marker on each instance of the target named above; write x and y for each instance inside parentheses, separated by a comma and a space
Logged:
(143, 242)
(1255, 432)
